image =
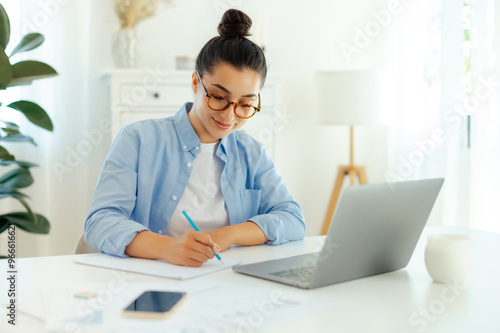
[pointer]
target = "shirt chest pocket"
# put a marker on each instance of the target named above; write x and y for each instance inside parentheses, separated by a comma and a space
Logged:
(250, 202)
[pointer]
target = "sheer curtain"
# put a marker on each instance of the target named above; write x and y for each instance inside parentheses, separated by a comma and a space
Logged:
(77, 103)
(485, 120)
(427, 67)
(413, 94)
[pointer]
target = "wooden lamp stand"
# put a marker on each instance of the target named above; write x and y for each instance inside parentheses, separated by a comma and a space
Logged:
(354, 171)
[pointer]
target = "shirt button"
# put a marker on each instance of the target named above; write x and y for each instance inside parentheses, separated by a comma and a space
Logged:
(174, 197)
(160, 231)
(188, 164)
(184, 147)
(197, 147)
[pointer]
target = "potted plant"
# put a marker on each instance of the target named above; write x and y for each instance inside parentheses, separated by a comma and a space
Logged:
(19, 175)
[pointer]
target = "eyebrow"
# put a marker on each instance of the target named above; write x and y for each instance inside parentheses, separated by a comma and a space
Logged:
(227, 91)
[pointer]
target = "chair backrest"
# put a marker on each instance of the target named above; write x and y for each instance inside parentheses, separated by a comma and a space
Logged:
(82, 247)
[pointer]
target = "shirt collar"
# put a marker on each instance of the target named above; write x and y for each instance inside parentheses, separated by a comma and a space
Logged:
(222, 150)
(188, 137)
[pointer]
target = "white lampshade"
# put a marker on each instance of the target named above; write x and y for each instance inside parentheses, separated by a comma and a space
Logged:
(348, 97)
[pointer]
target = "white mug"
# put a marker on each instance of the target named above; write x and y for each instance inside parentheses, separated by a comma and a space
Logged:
(448, 257)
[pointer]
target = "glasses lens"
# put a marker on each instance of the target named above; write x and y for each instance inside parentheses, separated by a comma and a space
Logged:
(245, 111)
(218, 103)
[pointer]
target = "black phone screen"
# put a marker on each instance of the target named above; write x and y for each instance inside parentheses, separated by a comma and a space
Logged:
(155, 301)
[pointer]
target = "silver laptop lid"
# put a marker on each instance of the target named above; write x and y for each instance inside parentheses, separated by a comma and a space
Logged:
(375, 229)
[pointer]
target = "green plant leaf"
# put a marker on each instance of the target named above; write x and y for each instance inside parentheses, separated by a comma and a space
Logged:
(17, 178)
(6, 192)
(9, 125)
(12, 136)
(28, 209)
(34, 113)
(5, 155)
(4, 224)
(6, 71)
(23, 220)
(29, 42)
(4, 28)
(22, 163)
(24, 72)
(10, 131)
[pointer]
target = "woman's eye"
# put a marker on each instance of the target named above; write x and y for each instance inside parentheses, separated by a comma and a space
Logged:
(219, 98)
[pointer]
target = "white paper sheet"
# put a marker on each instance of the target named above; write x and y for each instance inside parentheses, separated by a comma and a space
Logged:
(241, 308)
(154, 267)
(211, 306)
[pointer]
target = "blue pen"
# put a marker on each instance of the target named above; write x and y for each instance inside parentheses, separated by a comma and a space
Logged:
(198, 229)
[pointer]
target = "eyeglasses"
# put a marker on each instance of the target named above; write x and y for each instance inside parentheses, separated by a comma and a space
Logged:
(219, 103)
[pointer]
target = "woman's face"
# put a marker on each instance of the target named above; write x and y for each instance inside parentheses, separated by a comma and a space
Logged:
(241, 86)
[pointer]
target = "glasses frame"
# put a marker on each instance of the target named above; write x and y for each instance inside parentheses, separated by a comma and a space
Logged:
(235, 104)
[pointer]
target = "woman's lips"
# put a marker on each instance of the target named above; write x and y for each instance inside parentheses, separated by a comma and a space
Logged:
(222, 126)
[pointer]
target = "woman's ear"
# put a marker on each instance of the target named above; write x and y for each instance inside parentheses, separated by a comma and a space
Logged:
(194, 82)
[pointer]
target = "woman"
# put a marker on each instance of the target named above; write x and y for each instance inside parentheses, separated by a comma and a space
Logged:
(197, 161)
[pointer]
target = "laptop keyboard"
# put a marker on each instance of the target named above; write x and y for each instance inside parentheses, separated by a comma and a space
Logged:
(301, 274)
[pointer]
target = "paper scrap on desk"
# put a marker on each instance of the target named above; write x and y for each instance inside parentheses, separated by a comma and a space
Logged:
(244, 308)
(104, 313)
(154, 267)
(211, 306)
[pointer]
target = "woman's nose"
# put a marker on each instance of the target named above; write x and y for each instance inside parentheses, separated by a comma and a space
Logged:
(228, 114)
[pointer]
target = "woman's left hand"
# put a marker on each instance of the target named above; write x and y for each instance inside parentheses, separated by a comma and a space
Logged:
(222, 237)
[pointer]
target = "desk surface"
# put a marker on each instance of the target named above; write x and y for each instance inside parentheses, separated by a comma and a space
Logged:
(406, 300)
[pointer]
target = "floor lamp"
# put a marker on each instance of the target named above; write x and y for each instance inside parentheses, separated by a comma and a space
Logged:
(347, 98)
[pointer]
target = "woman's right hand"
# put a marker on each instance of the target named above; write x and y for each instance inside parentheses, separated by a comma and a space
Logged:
(190, 249)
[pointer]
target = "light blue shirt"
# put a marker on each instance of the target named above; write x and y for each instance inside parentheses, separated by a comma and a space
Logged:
(148, 167)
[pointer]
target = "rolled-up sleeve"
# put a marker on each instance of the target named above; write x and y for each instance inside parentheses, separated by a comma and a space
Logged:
(108, 227)
(279, 216)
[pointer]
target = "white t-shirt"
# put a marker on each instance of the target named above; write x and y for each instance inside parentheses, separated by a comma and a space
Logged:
(202, 198)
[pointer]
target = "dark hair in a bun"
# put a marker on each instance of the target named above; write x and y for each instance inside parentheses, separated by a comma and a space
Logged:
(234, 23)
(232, 47)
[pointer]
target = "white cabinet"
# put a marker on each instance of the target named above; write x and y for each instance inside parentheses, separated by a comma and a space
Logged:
(142, 94)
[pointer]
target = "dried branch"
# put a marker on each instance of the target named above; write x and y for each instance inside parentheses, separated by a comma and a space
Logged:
(131, 12)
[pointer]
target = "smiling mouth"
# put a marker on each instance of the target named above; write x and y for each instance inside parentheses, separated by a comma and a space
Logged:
(221, 125)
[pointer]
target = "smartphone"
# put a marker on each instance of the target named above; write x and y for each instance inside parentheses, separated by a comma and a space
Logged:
(153, 304)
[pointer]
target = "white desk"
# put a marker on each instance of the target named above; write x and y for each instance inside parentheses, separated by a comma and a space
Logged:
(402, 301)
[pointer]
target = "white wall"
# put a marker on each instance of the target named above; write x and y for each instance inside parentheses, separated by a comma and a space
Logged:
(302, 37)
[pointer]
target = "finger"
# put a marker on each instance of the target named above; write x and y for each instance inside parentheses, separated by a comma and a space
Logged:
(200, 256)
(203, 249)
(202, 238)
(202, 243)
(192, 263)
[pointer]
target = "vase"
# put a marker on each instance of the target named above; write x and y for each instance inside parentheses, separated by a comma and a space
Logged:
(448, 257)
(125, 48)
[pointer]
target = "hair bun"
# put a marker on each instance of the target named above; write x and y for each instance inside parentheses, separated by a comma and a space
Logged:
(235, 23)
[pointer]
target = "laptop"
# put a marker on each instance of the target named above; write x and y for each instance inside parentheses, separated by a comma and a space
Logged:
(374, 230)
